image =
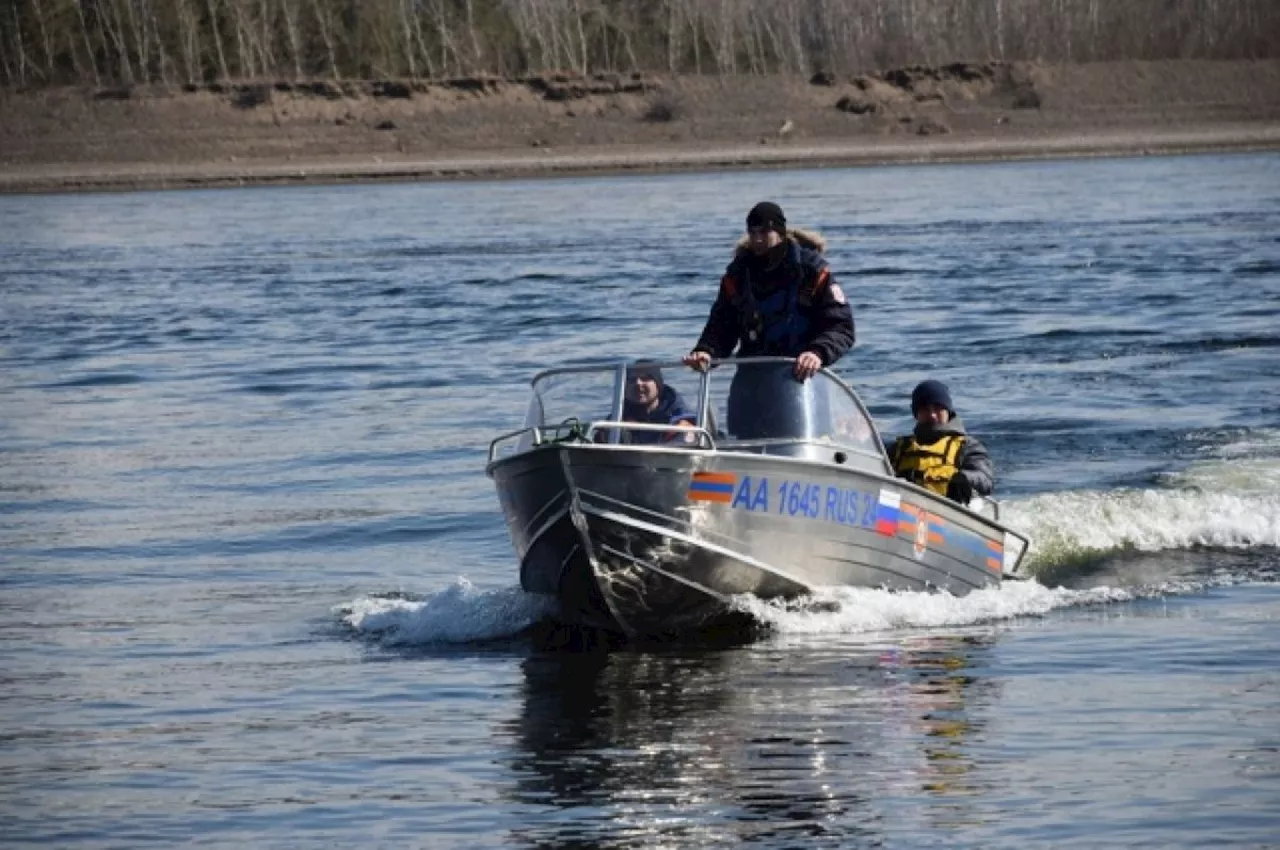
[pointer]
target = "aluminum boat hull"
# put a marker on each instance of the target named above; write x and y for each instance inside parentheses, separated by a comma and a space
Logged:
(657, 541)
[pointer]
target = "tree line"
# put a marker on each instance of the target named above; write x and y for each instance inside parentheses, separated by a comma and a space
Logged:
(129, 42)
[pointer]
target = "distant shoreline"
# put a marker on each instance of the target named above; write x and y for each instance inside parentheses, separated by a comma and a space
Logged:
(73, 140)
(618, 161)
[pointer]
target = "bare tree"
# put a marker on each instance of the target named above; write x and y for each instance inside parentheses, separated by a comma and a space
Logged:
(137, 41)
(215, 32)
(17, 72)
(325, 25)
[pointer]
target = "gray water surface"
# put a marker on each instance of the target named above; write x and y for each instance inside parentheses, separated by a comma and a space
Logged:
(255, 589)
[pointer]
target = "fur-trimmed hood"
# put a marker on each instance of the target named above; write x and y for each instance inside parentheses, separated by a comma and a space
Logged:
(810, 239)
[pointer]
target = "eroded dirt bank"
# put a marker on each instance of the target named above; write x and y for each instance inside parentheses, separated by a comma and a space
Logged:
(323, 131)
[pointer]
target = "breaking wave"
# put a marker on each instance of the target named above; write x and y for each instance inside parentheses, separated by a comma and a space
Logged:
(1067, 527)
(458, 614)
(1230, 502)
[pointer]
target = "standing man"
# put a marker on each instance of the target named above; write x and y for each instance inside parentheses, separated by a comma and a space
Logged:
(777, 298)
(939, 454)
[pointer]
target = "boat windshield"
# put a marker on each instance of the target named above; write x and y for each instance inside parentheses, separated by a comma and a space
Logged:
(582, 395)
(759, 399)
(748, 400)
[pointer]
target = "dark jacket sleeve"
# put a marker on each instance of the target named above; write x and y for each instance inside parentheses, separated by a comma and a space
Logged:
(675, 408)
(975, 465)
(720, 335)
(834, 321)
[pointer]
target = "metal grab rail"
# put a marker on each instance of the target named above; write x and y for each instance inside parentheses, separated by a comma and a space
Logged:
(567, 428)
(540, 435)
(676, 432)
(493, 444)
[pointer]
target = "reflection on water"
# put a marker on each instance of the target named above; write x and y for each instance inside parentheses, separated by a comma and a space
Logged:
(698, 748)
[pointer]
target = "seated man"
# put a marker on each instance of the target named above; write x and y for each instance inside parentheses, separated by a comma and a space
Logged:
(938, 454)
(648, 399)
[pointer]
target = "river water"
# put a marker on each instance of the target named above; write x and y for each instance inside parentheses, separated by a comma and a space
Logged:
(255, 588)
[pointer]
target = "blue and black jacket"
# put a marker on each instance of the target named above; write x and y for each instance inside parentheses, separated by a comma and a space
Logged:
(793, 307)
(670, 410)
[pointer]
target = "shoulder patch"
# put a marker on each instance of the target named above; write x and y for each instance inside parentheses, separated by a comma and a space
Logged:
(814, 284)
(837, 294)
(729, 286)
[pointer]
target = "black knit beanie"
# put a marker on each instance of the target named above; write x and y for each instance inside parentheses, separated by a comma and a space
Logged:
(767, 214)
(645, 369)
(931, 392)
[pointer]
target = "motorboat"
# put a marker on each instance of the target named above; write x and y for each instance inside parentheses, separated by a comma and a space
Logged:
(777, 488)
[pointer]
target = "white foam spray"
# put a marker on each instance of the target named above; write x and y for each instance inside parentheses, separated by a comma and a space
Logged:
(848, 610)
(1231, 502)
(458, 614)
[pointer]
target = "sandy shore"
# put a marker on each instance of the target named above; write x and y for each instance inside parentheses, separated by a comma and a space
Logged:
(71, 140)
(629, 159)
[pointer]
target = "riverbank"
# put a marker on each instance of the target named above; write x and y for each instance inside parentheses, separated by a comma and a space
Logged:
(272, 133)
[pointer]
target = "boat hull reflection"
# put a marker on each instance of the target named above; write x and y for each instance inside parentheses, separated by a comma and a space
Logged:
(806, 743)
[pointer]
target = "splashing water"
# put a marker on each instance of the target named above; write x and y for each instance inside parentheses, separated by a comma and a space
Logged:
(850, 610)
(1229, 503)
(462, 614)
(458, 614)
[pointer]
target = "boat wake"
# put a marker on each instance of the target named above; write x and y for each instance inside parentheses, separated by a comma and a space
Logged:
(462, 614)
(1214, 524)
(850, 610)
(1228, 505)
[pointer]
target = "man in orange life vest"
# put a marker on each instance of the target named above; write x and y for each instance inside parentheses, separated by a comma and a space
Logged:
(777, 298)
(939, 455)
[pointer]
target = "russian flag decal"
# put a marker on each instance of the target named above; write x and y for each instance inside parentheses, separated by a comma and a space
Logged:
(887, 513)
